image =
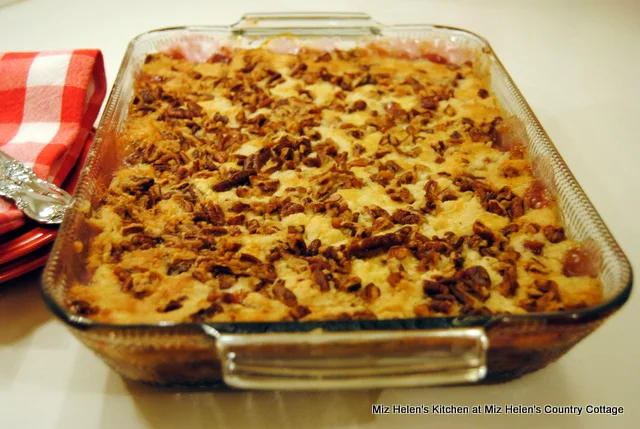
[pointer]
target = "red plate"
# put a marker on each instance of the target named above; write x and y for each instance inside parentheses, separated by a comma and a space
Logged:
(25, 264)
(11, 225)
(31, 236)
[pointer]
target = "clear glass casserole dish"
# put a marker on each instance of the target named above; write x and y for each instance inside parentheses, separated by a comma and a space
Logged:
(334, 354)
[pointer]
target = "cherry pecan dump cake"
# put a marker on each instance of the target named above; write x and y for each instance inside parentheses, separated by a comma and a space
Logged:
(262, 186)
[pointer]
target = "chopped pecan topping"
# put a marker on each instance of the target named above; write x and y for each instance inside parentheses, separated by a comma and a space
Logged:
(298, 174)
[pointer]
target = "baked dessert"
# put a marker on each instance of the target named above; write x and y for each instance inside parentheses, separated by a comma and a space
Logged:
(263, 186)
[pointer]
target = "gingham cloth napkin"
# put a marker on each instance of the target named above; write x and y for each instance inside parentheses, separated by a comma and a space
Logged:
(48, 103)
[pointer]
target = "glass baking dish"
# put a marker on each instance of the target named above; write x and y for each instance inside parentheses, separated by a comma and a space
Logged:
(335, 354)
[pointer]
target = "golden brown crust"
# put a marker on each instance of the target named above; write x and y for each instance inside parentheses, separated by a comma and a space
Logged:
(350, 184)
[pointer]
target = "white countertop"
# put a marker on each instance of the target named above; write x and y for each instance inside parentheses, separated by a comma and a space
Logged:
(576, 62)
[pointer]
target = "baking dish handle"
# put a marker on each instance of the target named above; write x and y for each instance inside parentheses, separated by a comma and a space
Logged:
(356, 359)
(325, 24)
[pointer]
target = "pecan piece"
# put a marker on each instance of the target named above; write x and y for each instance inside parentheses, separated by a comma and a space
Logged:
(320, 278)
(132, 229)
(516, 209)
(312, 161)
(239, 207)
(448, 195)
(359, 105)
(494, 207)
(476, 279)
(141, 185)
(253, 225)
(176, 113)
(207, 312)
(484, 232)
(402, 195)
(313, 247)
(179, 266)
(422, 310)
(432, 288)
(371, 246)
(405, 217)
(438, 306)
(510, 229)
(235, 180)
(370, 293)
(284, 295)
(534, 246)
(429, 103)
(406, 178)
(269, 186)
(236, 220)
(83, 308)
(291, 208)
(216, 214)
(509, 284)
(299, 311)
(226, 281)
(394, 278)
(172, 305)
(553, 234)
(245, 257)
(461, 295)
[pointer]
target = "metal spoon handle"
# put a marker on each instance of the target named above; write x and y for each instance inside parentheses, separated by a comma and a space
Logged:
(40, 200)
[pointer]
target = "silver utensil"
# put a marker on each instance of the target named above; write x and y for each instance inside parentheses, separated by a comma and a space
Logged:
(40, 200)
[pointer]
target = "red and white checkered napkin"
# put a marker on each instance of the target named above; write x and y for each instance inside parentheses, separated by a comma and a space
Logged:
(48, 103)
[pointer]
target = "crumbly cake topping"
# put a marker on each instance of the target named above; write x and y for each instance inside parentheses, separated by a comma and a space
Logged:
(324, 185)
